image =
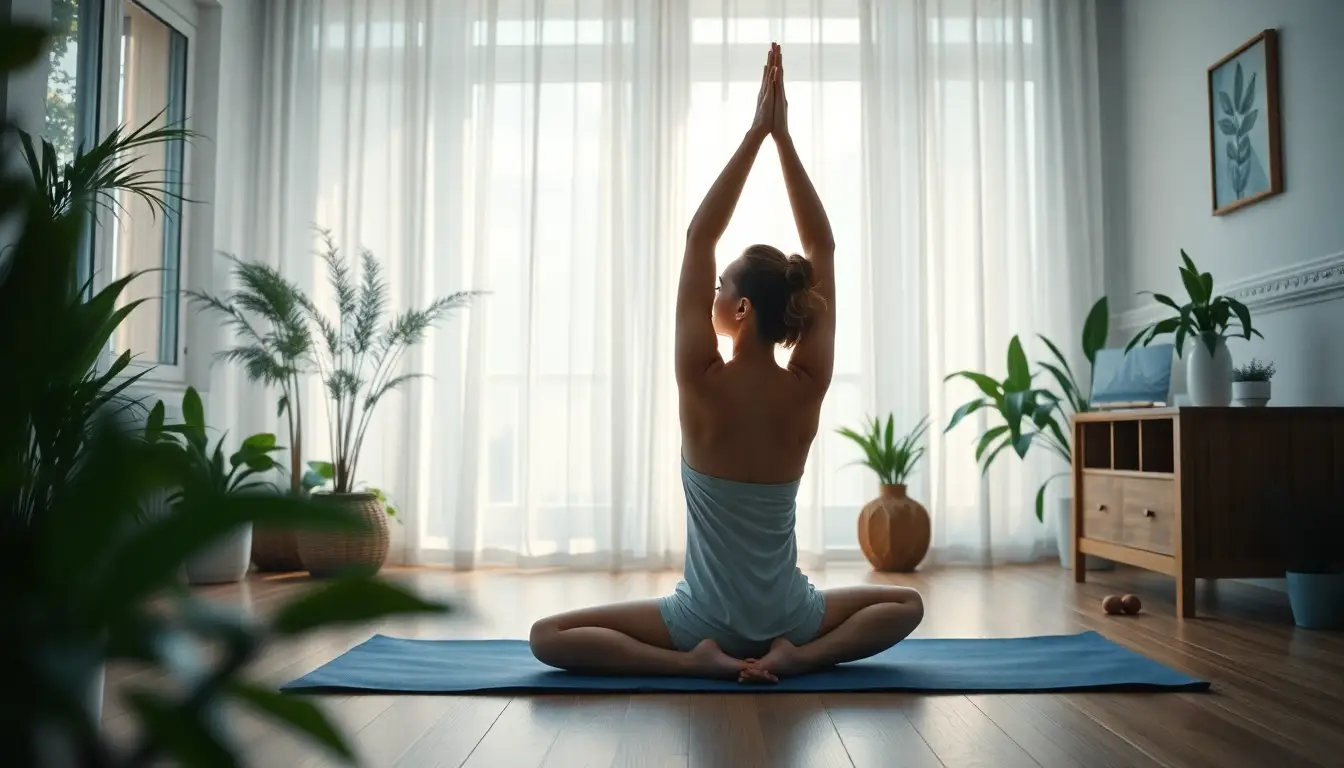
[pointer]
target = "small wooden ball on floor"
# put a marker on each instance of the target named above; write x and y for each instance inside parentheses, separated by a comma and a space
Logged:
(1116, 605)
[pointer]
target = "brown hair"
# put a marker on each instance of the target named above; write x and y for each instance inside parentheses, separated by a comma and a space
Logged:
(780, 289)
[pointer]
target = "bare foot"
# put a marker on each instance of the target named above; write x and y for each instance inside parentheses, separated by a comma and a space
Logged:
(783, 660)
(709, 660)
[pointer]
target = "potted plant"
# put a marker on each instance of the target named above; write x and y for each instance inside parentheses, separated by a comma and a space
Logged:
(98, 579)
(1206, 319)
(1250, 383)
(275, 348)
(1315, 570)
(210, 472)
(894, 529)
(357, 357)
(1031, 415)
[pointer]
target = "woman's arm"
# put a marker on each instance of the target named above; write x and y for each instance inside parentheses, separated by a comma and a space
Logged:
(697, 347)
(814, 356)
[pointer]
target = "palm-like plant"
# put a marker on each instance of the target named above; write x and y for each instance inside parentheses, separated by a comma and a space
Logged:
(894, 460)
(360, 355)
(275, 343)
(1030, 414)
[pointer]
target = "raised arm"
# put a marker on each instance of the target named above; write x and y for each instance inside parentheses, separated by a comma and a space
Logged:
(813, 358)
(697, 347)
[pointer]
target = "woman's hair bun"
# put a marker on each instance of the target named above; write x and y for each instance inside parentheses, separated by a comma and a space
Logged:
(798, 273)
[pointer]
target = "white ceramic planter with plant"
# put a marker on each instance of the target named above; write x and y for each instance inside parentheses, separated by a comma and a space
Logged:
(1029, 416)
(1250, 384)
(208, 472)
(1205, 321)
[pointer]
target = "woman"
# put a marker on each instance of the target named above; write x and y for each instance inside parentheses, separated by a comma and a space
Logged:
(744, 611)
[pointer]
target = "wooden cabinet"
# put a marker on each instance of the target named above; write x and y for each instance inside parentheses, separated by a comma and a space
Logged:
(1192, 492)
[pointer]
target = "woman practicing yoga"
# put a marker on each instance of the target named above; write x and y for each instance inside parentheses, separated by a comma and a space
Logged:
(744, 611)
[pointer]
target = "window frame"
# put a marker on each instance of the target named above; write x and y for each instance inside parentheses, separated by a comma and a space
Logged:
(182, 17)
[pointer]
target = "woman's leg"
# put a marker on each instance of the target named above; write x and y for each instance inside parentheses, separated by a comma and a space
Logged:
(624, 639)
(859, 622)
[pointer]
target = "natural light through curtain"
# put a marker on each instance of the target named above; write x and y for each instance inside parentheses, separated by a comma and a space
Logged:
(552, 152)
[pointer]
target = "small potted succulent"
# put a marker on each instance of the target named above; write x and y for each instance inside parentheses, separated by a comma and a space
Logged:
(894, 529)
(1250, 383)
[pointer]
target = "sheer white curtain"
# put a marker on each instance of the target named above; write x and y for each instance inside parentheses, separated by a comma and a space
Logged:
(552, 152)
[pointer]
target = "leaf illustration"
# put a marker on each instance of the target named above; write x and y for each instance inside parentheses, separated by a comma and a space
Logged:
(1243, 149)
(1237, 85)
(1226, 101)
(1232, 150)
(1248, 122)
(1228, 127)
(1249, 98)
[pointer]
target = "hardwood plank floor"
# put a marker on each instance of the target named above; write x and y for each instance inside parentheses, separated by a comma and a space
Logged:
(1276, 699)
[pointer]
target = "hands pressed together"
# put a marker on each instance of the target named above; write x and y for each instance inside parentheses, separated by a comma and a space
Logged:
(772, 108)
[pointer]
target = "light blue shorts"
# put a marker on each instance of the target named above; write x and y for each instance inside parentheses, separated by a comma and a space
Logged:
(688, 629)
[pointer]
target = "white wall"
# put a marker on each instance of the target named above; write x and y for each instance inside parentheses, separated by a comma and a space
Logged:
(1155, 56)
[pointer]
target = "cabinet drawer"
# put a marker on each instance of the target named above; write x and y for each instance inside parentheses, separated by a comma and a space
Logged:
(1101, 507)
(1148, 514)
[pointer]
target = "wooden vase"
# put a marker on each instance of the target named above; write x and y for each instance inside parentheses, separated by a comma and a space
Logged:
(894, 531)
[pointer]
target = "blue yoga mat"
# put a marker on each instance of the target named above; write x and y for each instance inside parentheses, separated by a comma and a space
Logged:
(1085, 661)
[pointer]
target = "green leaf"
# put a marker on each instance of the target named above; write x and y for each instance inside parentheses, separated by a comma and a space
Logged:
(154, 424)
(175, 730)
(1019, 371)
(1247, 123)
(297, 713)
(1022, 443)
(20, 45)
(348, 601)
(1181, 331)
(988, 385)
(1189, 262)
(324, 469)
(262, 441)
(965, 410)
(1066, 385)
(1040, 503)
(1162, 298)
(1206, 283)
(1226, 102)
(1194, 287)
(193, 414)
(1248, 98)
(281, 406)
(1095, 329)
(989, 460)
(990, 436)
(1227, 126)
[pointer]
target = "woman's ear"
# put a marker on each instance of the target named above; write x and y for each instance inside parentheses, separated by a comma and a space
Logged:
(742, 306)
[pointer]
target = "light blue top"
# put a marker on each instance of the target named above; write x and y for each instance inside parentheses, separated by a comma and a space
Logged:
(742, 585)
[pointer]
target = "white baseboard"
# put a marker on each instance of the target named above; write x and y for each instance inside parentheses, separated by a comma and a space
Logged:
(1307, 283)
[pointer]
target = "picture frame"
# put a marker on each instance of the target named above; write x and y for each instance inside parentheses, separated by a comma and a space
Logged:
(1245, 134)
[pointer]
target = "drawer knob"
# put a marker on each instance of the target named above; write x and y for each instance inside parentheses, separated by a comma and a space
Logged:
(1101, 507)
(1149, 513)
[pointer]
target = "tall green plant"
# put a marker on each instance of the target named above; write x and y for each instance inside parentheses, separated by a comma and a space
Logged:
(360, 354)
(275, 344)
(100, 584)
(1029, 414)
(1206, 316)
(894, 460)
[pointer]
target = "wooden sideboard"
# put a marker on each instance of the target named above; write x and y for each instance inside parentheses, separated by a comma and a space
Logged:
(1187, 491)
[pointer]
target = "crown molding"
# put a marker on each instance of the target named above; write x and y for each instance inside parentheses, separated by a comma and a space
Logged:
(1306, 283)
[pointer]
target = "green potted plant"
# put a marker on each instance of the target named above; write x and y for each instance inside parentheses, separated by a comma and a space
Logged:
(275, 348)
(1029, 415)
(99, 579)
(1250, 383)
(358, 356)
(209, 471)
(894, 529)
(1207, 319)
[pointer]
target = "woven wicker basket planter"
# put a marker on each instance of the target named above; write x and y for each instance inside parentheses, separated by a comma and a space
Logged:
(275, 551)
(328, 553)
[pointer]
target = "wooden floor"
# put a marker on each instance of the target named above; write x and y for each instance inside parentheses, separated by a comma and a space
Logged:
(1277, 698)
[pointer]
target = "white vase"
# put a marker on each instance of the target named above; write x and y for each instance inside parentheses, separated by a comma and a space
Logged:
(225, 562)
(1208, 378)
(1250, 394)
(1064, 540)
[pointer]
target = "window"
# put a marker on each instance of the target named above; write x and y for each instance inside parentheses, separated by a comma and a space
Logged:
(151, 85)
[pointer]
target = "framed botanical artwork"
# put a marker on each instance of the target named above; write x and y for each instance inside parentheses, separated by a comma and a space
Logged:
(1244, 131)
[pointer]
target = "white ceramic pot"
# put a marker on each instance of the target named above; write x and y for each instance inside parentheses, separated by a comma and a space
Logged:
(1250, 394)
(224, 563)
(1208, 378)
(1064, 540)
